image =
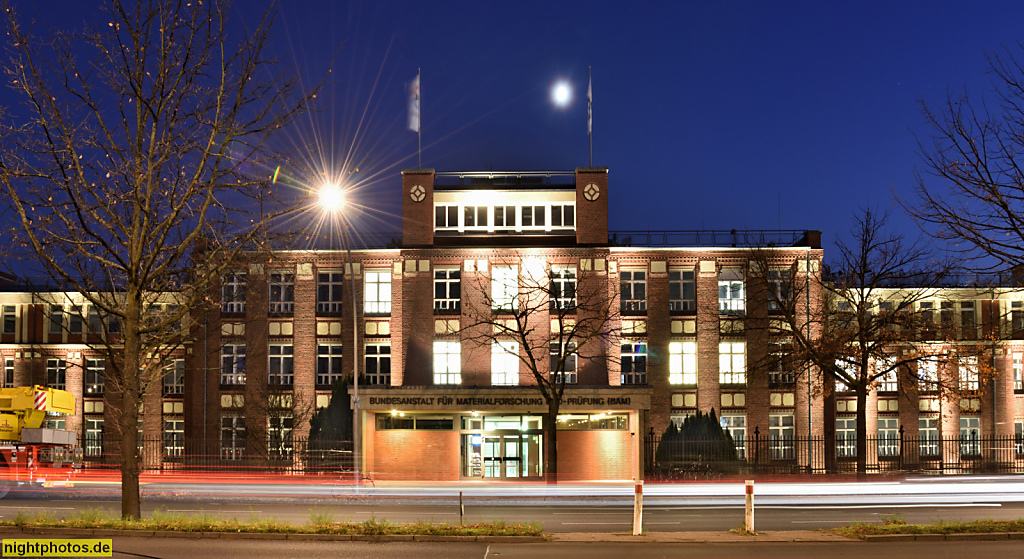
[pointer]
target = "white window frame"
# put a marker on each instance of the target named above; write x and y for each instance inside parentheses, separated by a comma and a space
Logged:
(888, 436)
(377, 363)
(281, 366)
(633, 290)
(928, 374)
(732, 362)
(446, 217)
(476, 218)
(736, 425)
(1018, 371)
(8, 372)
(95, 369)
(570, 364)
(504, 363)
(970, 435)
(10, 319)
(330, 291)
(232, 447)
(329, 368)
(563, 216)
(633, 362)
(682, 363)
(928, 435)
(781, 436)
(279, 435)
(377, 292)
(174, 437)
(505, 288)
(967, 367)
(92, 445)
(846, 437)
(732, 298)
(174, 377)
(57, 374)
(282, 292)
(447, 288)
(447, 362)
(563, 287)
(682, 289)
(232, 364)
(232, 289)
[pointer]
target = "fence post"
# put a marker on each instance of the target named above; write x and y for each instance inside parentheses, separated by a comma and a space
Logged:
(638, 508)
(748, 519)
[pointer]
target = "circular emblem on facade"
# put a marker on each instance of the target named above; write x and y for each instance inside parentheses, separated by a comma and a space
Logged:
(417, 193)
(591, 192)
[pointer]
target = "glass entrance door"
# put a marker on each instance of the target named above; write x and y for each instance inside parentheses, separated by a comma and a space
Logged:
(500, 447)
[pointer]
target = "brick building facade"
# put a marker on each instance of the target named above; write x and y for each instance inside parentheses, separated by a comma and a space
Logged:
(434, 404)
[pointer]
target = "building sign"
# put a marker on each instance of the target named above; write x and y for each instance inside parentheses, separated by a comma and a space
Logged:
(433, 399)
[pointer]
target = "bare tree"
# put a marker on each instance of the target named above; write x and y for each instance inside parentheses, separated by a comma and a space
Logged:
(970, 190)
(554, 320)
(140, 139)
(864, 324)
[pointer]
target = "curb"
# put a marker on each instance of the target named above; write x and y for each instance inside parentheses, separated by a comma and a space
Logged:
(92, 532)
(973, 536)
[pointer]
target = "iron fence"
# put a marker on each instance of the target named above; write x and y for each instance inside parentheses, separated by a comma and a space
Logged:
(680, 459)
(293, 455)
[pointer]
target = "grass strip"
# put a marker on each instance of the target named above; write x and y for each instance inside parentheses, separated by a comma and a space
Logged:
(320, 523)
(896, 525)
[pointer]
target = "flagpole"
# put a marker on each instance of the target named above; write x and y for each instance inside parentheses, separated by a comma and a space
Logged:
(590, 114)
(419, 129)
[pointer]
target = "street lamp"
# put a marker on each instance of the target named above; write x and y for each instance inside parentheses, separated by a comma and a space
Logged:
(333, 201)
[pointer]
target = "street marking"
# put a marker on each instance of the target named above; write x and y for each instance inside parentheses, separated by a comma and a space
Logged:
(40, 508)
(902, 506)
(217, 511)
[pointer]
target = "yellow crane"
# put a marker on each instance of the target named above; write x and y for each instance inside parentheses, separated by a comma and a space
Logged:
(31, 454)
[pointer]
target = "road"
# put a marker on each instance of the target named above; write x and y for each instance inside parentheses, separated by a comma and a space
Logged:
(164, 548)
(598, 507)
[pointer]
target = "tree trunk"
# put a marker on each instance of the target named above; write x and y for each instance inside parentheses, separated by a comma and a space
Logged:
(862, 431)
(551, 444)
(130, 390)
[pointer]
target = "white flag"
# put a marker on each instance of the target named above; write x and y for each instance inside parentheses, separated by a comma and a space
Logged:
(590, 99)
(414, 104)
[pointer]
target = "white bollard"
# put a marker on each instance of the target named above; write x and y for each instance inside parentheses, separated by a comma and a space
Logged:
(638, 509)
(748, 523)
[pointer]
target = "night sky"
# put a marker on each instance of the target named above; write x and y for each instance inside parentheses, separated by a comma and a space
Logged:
(708, 114)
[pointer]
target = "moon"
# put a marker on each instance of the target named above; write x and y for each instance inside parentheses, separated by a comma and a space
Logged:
(561, 93)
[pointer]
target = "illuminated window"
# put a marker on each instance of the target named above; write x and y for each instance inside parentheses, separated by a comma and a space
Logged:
(504, 288)
(174, 437)
(928, 374)
(504, 363)
(731, 294)
(447, 362)
(732, 363)
(93, 445)
(682, 363)
(279, 435)
(736, 426)
(1018, 371)
(377, 292)
(928, 435)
